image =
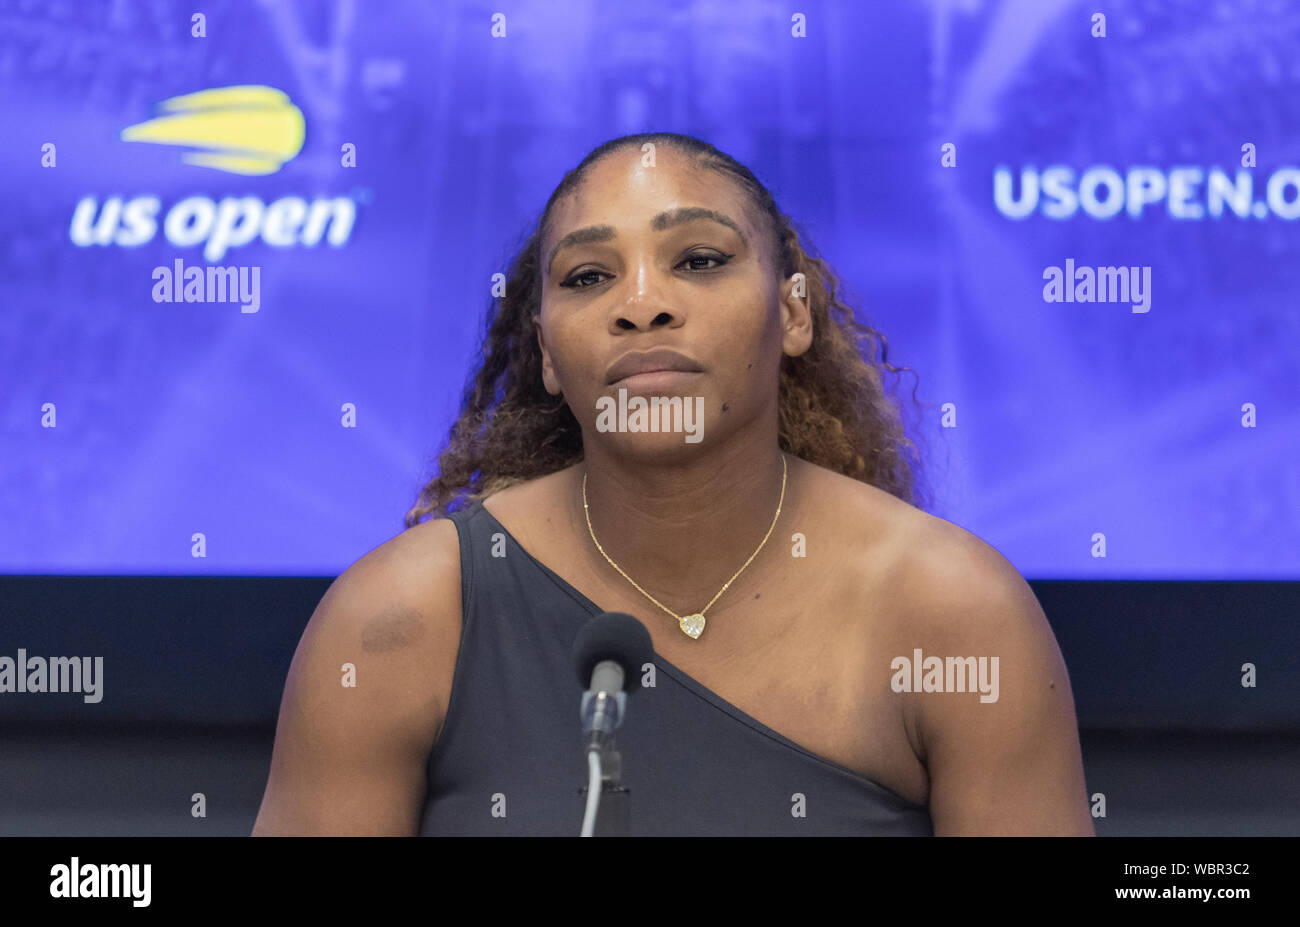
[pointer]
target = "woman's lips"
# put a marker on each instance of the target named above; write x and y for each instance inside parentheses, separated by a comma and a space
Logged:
(655, 381)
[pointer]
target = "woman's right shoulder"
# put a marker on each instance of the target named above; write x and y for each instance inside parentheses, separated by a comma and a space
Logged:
(367, 692)
(399, 605)
(418, 573)
(395, 615)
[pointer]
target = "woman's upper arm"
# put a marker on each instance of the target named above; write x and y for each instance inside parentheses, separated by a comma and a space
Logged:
(366, 693)
(1005, 761)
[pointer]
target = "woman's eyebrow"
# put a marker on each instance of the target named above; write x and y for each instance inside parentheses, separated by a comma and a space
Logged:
(665, 220)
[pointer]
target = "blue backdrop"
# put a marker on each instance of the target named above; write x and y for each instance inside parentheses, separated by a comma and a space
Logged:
(384, 159)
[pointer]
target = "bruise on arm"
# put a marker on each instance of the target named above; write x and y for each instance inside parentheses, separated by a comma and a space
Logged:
(395, 627)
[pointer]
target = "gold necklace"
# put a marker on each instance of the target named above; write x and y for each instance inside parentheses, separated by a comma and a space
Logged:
(692, 625)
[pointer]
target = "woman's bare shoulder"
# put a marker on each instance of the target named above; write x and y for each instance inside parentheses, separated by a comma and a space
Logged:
(952, 588)
(922, 565)
(954, 597)
(367, 692)
(417, 570)
(871, 523)
(430, 548)
(398, 608)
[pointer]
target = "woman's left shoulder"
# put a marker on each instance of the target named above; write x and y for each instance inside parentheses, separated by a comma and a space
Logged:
(961, 589)
(934, 571)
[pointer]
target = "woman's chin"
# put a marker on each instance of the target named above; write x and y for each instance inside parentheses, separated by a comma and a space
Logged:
(652, 446)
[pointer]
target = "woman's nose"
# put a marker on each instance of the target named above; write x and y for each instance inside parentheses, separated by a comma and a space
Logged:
(645, 307)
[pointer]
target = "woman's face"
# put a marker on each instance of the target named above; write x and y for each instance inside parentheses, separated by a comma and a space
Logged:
(641, 258)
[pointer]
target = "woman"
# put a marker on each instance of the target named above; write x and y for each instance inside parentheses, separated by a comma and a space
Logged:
(767, 536)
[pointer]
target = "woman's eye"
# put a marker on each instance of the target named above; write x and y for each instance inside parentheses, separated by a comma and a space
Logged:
(576, 282)
(719, 259)
(572, 282)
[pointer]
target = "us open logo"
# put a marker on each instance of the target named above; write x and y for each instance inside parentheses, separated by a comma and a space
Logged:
(250, 130)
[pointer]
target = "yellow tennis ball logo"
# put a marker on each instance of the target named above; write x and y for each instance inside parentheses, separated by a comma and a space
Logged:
(247, 129)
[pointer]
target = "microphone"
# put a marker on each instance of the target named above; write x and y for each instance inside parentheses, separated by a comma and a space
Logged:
(609, 649)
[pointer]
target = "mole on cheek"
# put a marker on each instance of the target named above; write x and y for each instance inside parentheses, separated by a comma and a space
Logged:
(724, 407)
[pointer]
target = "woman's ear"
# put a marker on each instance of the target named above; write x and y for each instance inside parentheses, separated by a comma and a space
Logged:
(548, 371)
(796, 316)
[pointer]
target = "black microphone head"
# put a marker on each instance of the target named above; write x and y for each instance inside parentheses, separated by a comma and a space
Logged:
(612, 636)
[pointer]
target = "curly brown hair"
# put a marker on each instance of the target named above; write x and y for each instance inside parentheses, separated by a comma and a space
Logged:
(833, 411)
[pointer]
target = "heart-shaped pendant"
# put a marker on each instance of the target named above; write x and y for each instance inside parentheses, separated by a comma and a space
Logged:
(692, 625)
